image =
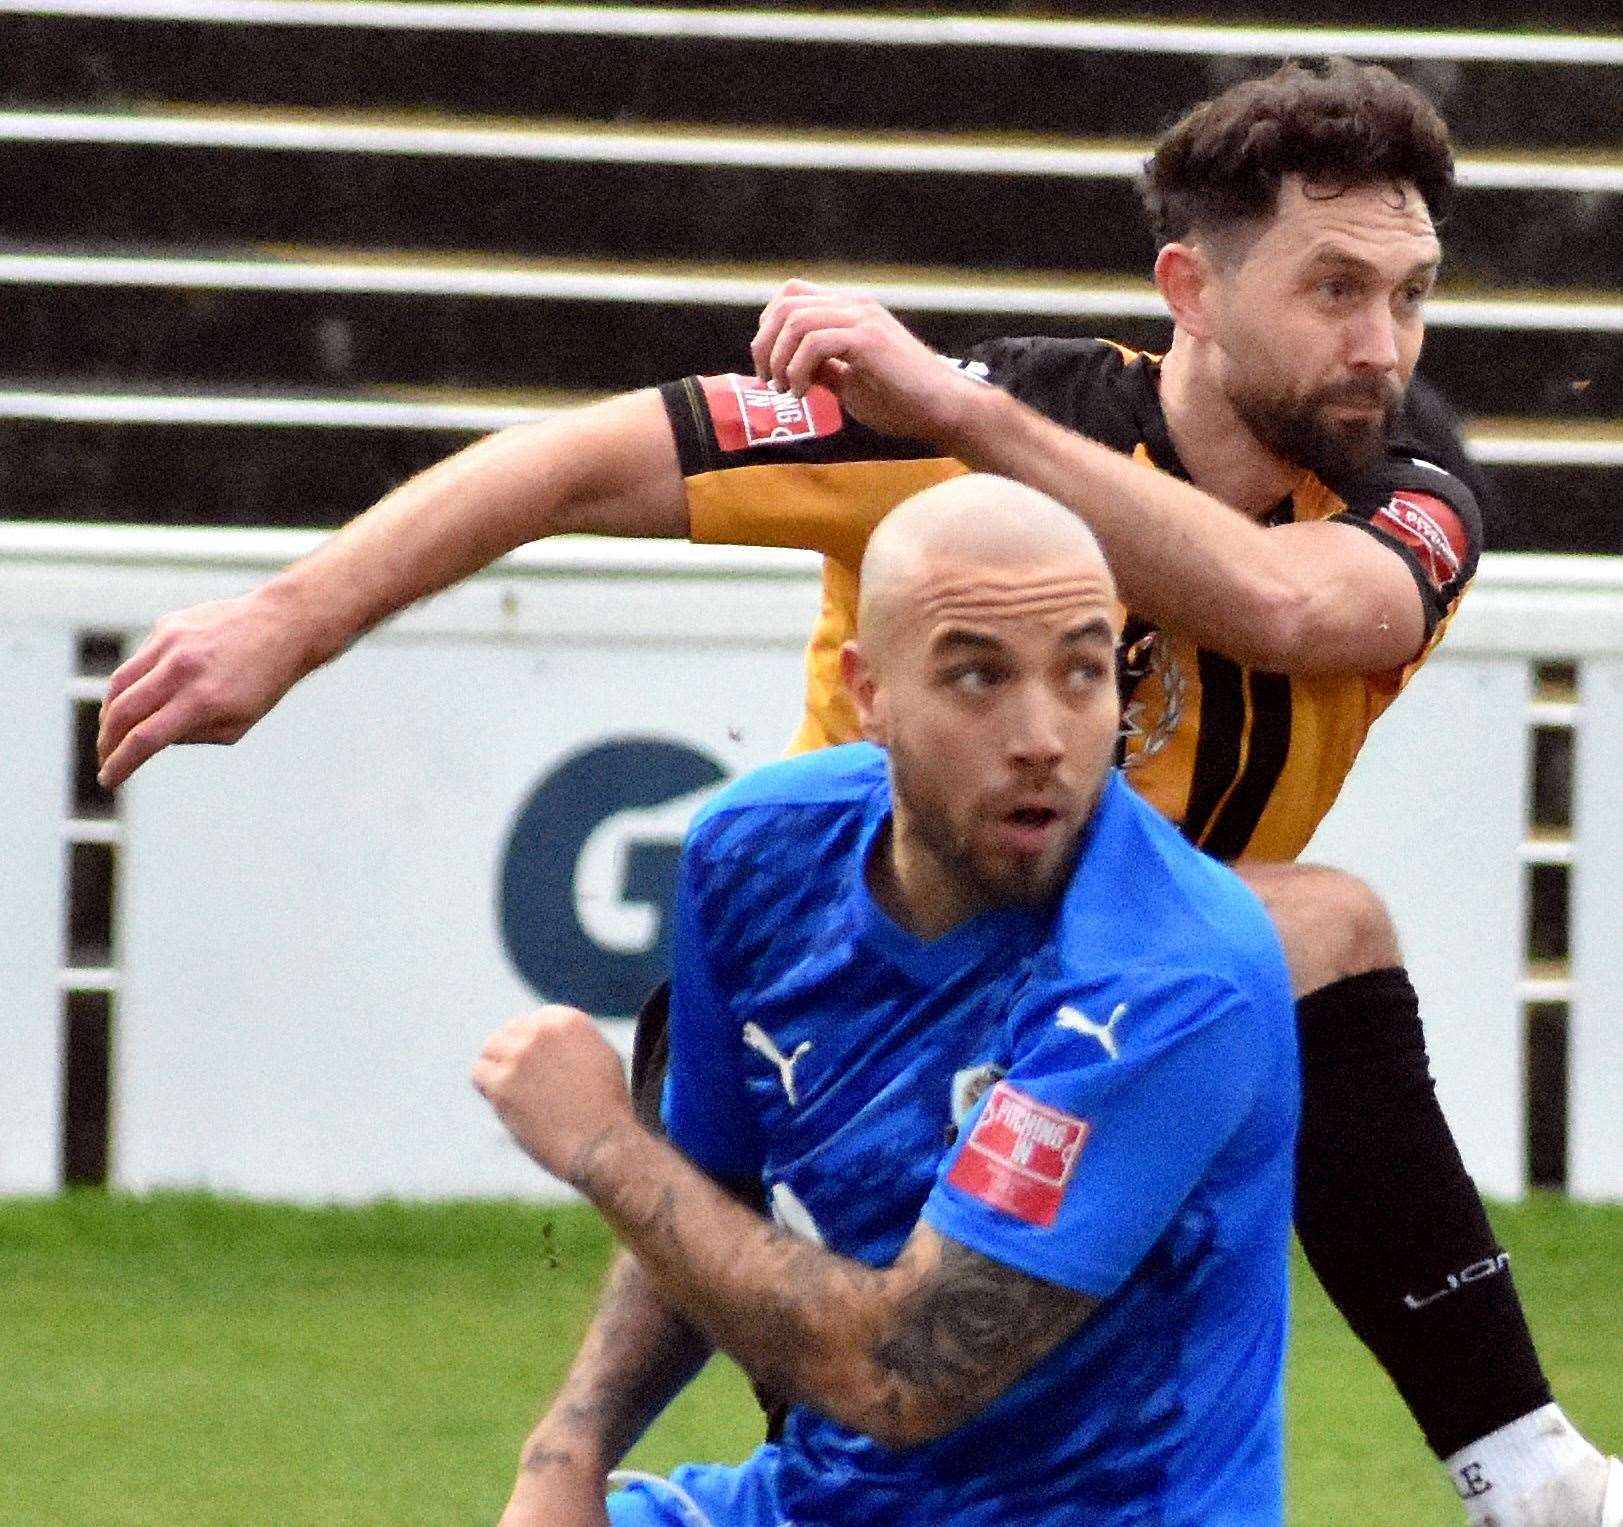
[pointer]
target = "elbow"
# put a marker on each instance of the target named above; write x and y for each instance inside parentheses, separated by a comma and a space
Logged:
(1333, 628)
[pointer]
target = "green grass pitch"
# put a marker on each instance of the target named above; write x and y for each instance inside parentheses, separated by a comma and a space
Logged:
(189, 1360)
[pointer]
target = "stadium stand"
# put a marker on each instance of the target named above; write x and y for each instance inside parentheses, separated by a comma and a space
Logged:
(264, 258)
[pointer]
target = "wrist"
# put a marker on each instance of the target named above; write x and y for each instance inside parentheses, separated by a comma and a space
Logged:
(978, 415)
(298, 602)
(603, 1163)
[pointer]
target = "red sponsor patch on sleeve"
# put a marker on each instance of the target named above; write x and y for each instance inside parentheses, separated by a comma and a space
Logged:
(1020, 1156)
(1430, 528)
(745, 412)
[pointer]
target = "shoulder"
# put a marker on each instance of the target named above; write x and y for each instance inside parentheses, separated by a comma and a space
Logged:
(1092, 385)
(1146, 901)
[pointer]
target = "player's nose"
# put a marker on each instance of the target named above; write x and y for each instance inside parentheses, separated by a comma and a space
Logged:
(1036, 732)
(1372, 339)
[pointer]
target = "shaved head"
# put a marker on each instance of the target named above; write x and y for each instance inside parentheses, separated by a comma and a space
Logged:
(976, 521)
(984, 662)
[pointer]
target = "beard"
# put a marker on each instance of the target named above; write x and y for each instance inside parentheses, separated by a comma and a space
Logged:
(1303, 430)
(984, 878)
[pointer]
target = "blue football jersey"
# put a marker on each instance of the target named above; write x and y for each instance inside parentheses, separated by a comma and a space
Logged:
(1102, 1095)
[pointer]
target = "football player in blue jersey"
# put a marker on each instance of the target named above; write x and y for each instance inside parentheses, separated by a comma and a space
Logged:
(1015, 1062)
(1276, 608)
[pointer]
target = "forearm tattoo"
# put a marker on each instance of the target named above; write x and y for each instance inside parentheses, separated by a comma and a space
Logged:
(970, 1328)
(903, 1352)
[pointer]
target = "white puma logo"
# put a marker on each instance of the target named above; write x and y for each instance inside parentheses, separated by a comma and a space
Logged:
(1105, 1033)
(760, 1041)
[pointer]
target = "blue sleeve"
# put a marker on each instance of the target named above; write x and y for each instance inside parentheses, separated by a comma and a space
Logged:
(707, 1113)
(1116, 1103)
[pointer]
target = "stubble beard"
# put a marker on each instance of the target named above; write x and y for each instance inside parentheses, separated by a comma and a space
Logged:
(983, 879)
(1303, 431)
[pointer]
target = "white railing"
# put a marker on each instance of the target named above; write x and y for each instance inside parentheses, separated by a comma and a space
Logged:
(869, 31)
(313, 930)
(277, 132)
(974, 292)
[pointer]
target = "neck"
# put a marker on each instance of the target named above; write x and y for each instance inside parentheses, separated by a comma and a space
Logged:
(913, 888)
(1216, 446)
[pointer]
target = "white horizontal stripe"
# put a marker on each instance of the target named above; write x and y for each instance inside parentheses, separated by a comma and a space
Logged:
(1539, 175)
(1546, 451)
(94, 829)
(328, 413)
(790, 26)
(574, 147)
(561, 285)
(87, 978)
(889, 156)
(426, 280)
(1546, 989)
(1548, 851)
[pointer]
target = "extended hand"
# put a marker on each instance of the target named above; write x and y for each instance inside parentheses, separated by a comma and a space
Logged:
(205, 674)
(556, 1083)
(883, 375)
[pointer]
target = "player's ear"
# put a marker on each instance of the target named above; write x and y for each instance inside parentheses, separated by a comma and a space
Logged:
(1184, 277)
(858, 675)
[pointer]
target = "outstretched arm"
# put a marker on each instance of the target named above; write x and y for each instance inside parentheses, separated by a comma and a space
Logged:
(207, 674)
(903, 1353)
(637, 1355)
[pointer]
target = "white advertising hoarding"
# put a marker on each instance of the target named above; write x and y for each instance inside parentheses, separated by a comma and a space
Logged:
(480, 805)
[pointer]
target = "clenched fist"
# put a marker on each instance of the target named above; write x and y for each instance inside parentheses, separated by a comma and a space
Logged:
(556, 1083)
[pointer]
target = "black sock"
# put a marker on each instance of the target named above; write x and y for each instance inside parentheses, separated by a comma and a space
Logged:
(1392, 1223)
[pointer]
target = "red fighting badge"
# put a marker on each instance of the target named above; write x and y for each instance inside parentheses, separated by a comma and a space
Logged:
(745, 412)
(1020, 1156)
(1430, 529)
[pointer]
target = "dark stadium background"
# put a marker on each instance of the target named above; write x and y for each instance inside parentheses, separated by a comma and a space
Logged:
(138, 338)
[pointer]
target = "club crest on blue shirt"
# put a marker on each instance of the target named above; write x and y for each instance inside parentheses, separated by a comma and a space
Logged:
(968, 1088)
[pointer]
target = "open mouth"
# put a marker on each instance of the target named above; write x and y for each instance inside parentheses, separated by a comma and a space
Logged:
(1033, 816)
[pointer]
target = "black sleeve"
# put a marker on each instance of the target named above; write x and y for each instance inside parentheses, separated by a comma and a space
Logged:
(1092, 386)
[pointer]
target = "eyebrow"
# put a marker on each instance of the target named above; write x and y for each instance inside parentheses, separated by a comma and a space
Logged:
(1096, 629)
(1345, 260)
(956, 636)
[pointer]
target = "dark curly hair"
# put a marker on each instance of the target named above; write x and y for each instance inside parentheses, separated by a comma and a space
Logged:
(1338, 124)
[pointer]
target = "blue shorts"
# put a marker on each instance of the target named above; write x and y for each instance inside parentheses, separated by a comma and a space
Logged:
(744, 1495)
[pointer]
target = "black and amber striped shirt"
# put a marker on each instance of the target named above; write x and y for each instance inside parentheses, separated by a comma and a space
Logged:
(1247, 762)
